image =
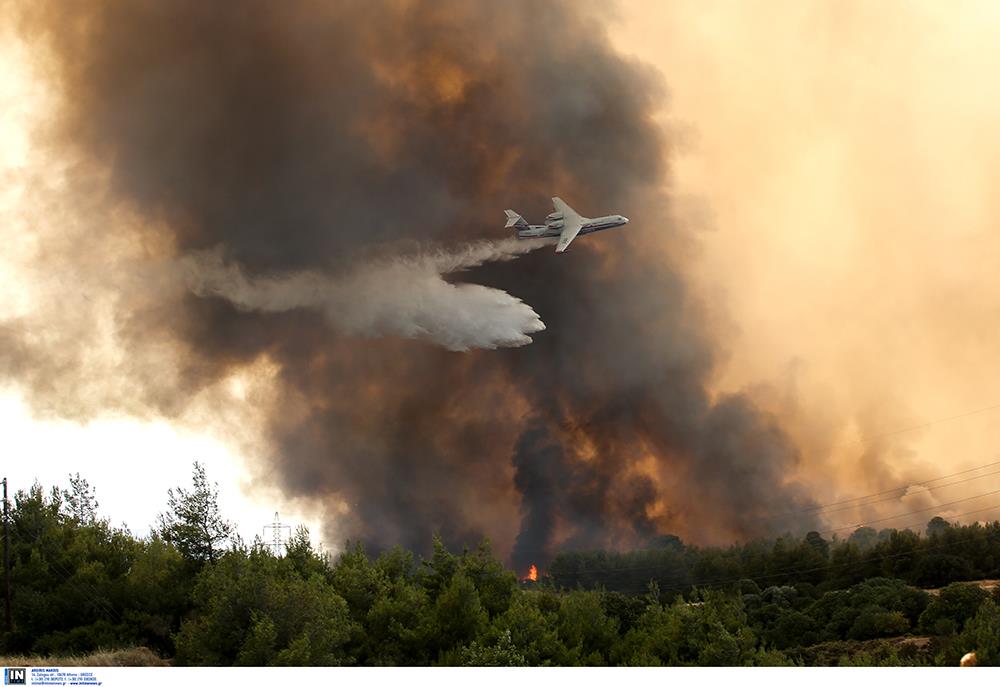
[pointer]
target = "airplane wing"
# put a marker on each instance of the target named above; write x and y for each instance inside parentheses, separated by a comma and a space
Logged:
(572, 223)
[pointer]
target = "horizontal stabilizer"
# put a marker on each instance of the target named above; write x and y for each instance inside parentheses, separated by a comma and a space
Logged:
(514, 220)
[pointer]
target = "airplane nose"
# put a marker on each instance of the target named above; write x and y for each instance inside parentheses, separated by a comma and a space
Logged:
(624, 219)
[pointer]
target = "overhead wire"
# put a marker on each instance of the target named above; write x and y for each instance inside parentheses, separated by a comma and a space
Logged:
(864, 523)
(71, 578)
(938, 506)
(924, 425)
(771, 573)
(900, 515)
(820, 510)
(823, 507)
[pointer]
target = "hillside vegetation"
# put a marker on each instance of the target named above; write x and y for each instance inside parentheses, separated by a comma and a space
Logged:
(196, 595)
(140, 656)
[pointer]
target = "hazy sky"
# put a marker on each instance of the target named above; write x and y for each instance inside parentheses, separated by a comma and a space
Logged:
(839, 160)
(130, 461)
(842, 157)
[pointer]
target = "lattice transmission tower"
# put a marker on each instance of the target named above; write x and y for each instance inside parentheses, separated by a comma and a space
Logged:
(280, 534)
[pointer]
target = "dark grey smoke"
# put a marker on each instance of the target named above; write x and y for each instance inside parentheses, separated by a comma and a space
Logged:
(540, 471)
(299, 136)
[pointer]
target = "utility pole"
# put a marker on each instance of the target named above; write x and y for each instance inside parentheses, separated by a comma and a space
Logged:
(6, 563)
(277, 529)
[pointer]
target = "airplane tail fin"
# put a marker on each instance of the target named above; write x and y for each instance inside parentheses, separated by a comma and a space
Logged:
(514, 220)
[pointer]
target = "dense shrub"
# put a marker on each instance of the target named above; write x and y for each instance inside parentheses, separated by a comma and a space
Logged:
(81, 585)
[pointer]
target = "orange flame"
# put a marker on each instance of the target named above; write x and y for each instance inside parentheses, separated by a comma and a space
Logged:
(532, 574)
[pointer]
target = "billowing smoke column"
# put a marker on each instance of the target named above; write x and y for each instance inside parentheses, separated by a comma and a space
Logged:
(283, 145)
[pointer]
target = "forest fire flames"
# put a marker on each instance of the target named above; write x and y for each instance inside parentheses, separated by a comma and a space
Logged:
(532, 575)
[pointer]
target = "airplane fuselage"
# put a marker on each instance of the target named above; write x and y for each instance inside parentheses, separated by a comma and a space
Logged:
(565, 224)
(554, 225)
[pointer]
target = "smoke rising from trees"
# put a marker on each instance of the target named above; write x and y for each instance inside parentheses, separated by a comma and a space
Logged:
(277, 148)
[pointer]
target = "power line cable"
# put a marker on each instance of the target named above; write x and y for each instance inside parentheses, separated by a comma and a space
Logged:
(902, 527)
(891, 498)
(828, 566)
(924, 425)
(772, 573)
(818, 510)
(913, 512)
(822, 507)
(821, 510)
(72, 579)
(795, 570)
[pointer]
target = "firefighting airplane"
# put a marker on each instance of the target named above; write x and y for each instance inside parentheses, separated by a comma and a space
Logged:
(565, 222)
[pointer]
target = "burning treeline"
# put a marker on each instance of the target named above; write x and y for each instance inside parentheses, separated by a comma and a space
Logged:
(304, 139)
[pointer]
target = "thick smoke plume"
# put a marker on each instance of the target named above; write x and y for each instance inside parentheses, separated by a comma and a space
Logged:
(289, 139)
(403, 296)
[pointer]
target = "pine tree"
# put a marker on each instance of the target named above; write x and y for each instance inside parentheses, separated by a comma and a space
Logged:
(193, 523)
(79, 502)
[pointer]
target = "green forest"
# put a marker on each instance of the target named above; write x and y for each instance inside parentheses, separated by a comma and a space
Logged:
(195, 594)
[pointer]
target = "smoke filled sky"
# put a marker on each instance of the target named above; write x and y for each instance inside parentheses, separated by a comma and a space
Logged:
(840, 158)
(274, 241)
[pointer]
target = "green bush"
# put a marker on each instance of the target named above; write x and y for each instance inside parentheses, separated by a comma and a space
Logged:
(954, 604)
(251, 608)
(982, 635)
